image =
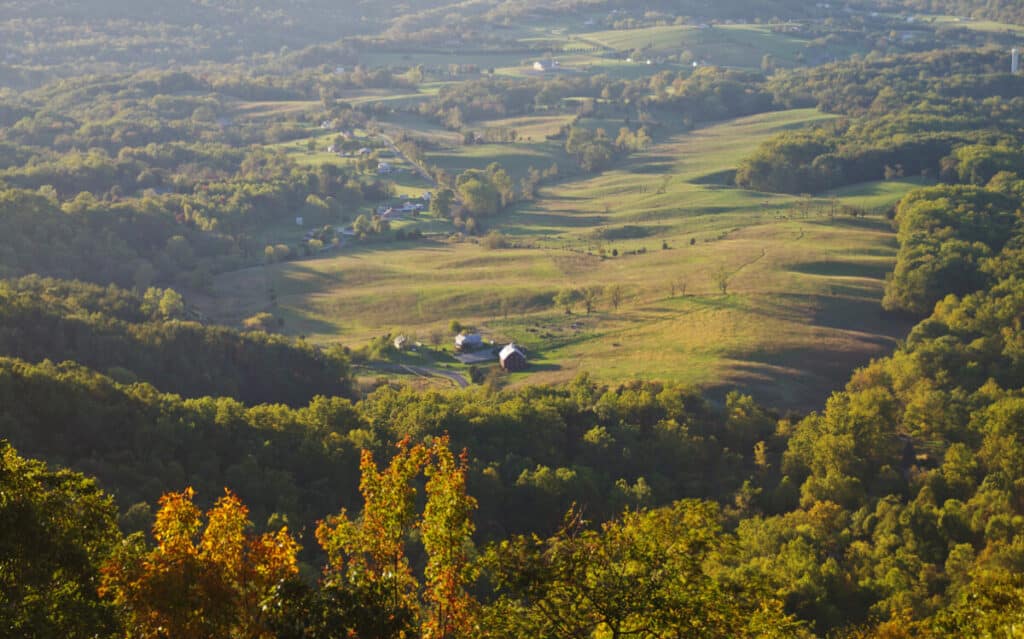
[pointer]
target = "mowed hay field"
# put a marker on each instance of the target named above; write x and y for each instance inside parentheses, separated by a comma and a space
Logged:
(800, 305)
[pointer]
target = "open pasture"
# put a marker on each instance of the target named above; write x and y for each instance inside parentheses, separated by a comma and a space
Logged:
(750, 285)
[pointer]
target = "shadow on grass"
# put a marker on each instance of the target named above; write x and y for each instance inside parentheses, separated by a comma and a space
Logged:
(839, 268)
(798, 379)
(857, 312)
(846, 221)
(298, 324)
(556, 220)
(627, 232)
(652, 168)
(358, 249)
(718, 178)
(541, 367)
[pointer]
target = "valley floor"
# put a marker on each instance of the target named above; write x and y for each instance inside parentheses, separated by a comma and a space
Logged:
(720, 287)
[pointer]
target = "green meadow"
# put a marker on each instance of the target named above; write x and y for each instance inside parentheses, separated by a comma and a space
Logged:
(717, 286)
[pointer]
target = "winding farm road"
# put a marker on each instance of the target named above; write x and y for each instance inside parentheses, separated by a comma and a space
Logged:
(459, 380)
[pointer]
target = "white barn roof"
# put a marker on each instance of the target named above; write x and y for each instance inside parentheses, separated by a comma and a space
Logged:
(509, 350)
(473, 338)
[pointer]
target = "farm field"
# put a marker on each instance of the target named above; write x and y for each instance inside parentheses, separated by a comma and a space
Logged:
(750, 285)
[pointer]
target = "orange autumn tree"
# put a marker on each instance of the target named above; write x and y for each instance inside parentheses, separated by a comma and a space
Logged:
(369, 586)
(446, 531)
(199, 582)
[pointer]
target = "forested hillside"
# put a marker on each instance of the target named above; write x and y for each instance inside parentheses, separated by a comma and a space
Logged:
(147, 338)
(239, 242)
(945, 115)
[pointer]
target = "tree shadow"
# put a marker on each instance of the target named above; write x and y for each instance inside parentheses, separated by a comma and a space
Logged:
(839, 268)
(726, 177)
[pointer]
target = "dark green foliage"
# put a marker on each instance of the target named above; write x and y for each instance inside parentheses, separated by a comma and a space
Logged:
(141, 443)
(58, 527)
(895, 511)
(946, 234)
(110, 329)
(945, 114)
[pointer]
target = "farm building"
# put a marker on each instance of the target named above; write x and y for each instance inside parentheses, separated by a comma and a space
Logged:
(512, 359)
(469, 342)
(545, 65)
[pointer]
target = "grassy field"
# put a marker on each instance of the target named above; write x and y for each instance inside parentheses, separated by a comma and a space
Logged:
(768, 293)
(531, 128)
(263, 110)
(738, 45)
(514, 158)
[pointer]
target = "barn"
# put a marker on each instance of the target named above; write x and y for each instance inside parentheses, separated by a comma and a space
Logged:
(512, 358)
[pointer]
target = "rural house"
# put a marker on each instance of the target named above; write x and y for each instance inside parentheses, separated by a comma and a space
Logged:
(469, 342)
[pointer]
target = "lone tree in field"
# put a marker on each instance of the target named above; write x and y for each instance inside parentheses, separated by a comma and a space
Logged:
(678, 285)
(567, 298)
(615, 296)
(590, 296)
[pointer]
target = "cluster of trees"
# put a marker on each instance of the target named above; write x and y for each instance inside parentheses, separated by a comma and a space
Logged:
(595, 151)
(589, 296)
(487, 192)
(710, 94)
(947, 237)
(949, 115)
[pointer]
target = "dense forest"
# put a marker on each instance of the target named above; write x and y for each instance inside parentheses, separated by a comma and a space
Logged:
(162, 475)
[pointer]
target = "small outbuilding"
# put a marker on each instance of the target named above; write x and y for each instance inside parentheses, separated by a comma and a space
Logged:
(512, 358)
